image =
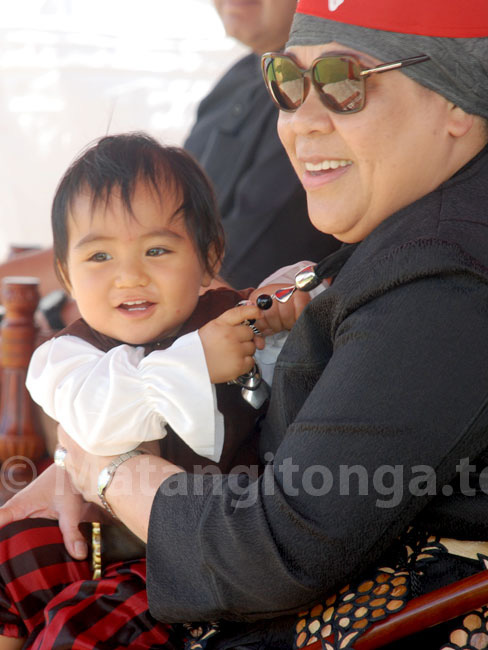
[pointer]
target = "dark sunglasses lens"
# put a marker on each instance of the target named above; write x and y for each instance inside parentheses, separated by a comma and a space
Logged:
(340, 85)
(284, 81)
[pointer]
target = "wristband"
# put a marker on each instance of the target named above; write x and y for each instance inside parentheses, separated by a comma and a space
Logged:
(107, 474)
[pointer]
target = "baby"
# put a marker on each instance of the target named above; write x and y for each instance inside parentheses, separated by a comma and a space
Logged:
(136, 236)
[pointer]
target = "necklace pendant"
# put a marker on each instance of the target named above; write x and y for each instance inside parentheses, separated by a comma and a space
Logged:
(307, 279)
(284, 295)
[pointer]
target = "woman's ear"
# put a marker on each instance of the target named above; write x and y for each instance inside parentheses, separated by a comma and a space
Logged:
(214, 263)
(460, 122)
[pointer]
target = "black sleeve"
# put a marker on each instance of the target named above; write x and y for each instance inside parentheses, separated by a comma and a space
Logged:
(403, 397)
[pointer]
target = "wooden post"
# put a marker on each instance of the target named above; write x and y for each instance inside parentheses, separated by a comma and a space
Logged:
(21, 440)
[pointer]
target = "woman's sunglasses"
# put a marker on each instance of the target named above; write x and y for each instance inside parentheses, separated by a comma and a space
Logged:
(338, 79)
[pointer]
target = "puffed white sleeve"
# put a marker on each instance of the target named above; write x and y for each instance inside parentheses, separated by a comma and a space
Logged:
(111, 402)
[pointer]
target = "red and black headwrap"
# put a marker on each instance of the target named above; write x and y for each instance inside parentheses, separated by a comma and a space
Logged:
(454, 34)
(451, 19)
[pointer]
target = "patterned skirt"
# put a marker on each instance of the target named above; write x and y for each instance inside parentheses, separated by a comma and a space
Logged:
(415, 565)
(51, 600)
(418, 564)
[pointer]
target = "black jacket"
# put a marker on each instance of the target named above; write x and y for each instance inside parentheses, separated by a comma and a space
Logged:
(383, 380)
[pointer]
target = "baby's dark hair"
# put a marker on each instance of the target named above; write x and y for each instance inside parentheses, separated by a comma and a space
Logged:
(120, 162)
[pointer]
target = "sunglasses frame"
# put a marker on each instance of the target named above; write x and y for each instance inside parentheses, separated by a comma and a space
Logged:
(309, 72)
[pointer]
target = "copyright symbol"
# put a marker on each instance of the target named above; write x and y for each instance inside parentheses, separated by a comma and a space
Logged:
(17, 472)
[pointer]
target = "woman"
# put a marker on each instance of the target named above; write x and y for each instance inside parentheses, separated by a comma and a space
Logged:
(377, 424)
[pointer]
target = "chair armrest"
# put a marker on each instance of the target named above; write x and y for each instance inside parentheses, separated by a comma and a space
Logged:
(425, 611)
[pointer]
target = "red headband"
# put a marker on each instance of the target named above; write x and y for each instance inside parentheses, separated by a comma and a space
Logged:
(451, 18)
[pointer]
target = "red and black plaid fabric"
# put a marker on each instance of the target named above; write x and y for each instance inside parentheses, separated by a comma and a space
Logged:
(51, 600)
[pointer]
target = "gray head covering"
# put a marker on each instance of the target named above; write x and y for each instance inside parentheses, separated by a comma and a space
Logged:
(458, 67)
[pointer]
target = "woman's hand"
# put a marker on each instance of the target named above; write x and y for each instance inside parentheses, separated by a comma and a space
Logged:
(82, 467)
(136, 481)
(281, 315)
(53, 496)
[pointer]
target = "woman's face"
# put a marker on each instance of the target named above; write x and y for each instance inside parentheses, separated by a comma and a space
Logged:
(381, 159)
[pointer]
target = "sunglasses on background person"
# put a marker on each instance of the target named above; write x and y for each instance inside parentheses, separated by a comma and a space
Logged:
(338, 79)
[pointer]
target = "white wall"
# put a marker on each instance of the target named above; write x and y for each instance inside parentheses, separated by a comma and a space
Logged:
(73, 70)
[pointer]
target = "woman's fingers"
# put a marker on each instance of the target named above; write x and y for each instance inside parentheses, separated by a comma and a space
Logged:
(74, 541)
(11, 512)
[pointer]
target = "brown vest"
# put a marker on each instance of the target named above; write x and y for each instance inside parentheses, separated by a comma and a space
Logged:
(241, 420)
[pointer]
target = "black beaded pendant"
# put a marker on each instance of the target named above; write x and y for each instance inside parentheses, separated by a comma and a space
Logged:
(264, 301)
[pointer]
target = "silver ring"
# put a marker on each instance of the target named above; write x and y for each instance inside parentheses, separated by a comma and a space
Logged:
(59, 456)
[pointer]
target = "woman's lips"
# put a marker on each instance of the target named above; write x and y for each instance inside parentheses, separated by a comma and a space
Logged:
(325, 165)
(323, 172)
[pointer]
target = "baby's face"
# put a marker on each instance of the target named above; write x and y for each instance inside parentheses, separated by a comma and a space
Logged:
(137, 277)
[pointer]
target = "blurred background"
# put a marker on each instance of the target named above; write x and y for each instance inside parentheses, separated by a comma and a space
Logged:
(74, 70)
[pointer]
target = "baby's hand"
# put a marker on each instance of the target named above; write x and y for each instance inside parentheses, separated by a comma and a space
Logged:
(281, 315)
(229, 344)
